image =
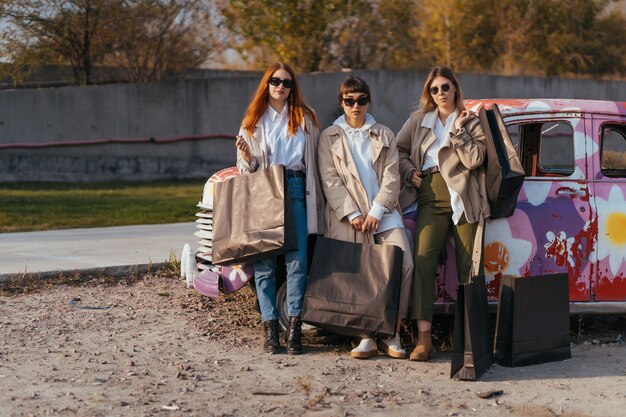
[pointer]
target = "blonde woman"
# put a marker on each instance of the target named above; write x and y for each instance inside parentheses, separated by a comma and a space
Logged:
(442, 150)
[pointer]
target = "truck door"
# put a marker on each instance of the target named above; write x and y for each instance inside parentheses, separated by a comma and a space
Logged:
(608, 191)
(548, 233)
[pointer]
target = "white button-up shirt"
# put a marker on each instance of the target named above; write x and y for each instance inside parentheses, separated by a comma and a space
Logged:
(431, 158)
(360, 146)
(282, 148)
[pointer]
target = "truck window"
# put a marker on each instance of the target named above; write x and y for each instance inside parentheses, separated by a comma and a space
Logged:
(545, 149)
(613, 150)
(513, 131)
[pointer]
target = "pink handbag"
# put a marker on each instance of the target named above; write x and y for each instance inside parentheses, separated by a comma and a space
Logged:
(235, 277)
(207, 283)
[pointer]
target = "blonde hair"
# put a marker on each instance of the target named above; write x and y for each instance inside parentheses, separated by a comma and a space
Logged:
(427, 103)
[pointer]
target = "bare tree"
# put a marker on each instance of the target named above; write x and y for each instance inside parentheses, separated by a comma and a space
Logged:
(60, 31)
(146, 39)
(157, 38)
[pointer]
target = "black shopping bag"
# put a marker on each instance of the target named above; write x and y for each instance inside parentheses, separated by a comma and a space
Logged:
(533, 320)
(353, 288)
(252, 217)
(504, 174)
(472, 350)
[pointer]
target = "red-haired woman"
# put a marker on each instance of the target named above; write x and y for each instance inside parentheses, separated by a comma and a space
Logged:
(280, 129)
(442, 149)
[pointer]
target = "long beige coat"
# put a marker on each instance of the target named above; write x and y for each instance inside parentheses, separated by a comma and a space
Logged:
(341, 183)
(461, 163)
(314, 196)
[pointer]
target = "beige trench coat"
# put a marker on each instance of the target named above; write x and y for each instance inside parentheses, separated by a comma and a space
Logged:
(461, 163)
(342, 186)
(314, 198)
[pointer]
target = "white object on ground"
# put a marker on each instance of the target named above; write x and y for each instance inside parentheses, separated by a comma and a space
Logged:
(183, 259)
(190, 268)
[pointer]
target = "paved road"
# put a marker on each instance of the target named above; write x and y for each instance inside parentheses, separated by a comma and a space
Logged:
(102, 247)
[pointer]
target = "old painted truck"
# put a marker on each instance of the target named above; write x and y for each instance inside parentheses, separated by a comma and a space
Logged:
(571, 211)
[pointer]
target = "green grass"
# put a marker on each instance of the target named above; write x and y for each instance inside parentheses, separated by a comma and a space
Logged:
(45, 206)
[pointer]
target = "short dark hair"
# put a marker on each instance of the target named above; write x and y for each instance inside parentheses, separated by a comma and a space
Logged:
(354, 85)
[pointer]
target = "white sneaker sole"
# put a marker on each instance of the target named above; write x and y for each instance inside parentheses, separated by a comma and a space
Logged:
(364, 355)
(390, 352)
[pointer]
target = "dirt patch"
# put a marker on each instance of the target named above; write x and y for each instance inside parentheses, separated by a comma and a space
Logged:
(148, 346)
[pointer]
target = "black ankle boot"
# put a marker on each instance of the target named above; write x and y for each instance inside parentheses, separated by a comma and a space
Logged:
(272, 342)
(294, 336)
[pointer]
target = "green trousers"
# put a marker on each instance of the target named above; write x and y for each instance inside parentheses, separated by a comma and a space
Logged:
(434, 221)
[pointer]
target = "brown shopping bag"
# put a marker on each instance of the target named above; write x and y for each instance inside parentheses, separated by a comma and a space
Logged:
(353, 288)
(533, 320)
(472, 350)
(252, 217)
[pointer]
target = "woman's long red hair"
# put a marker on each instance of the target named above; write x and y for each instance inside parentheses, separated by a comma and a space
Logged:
(297, 108)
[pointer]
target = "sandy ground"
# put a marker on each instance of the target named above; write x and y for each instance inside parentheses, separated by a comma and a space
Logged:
(150, 347)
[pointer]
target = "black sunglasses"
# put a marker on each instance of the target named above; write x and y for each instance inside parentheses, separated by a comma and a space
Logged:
(435, 90)
(277, 81)
(363, 100)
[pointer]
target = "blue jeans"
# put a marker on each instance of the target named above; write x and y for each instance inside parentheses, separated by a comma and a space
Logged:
(295, 261)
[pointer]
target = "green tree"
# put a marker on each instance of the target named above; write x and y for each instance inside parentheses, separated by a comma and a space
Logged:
(378, 34)
(546, 37)
(298, 32)
(608, 46)
(559, 37)
(458, 33)
(516, 22)
(325, 35)
(562, 36)
(400, 39)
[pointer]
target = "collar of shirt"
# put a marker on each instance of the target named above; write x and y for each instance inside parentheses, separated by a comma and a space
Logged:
(449, 120)
(351, 131)
(441, 131)
(274, 115)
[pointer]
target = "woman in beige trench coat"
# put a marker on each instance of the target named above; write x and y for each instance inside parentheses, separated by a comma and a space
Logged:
(442, 151)
(358, 163)
(280, 129)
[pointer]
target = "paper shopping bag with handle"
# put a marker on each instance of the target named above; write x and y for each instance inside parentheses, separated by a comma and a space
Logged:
(472, 350)
(533, 320)
(252, 217)
(354, 288)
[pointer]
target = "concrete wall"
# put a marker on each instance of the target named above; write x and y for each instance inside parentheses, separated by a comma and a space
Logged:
(150, 161)
(204, 107)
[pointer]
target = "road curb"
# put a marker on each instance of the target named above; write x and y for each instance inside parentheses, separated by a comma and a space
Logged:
(116, 272)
